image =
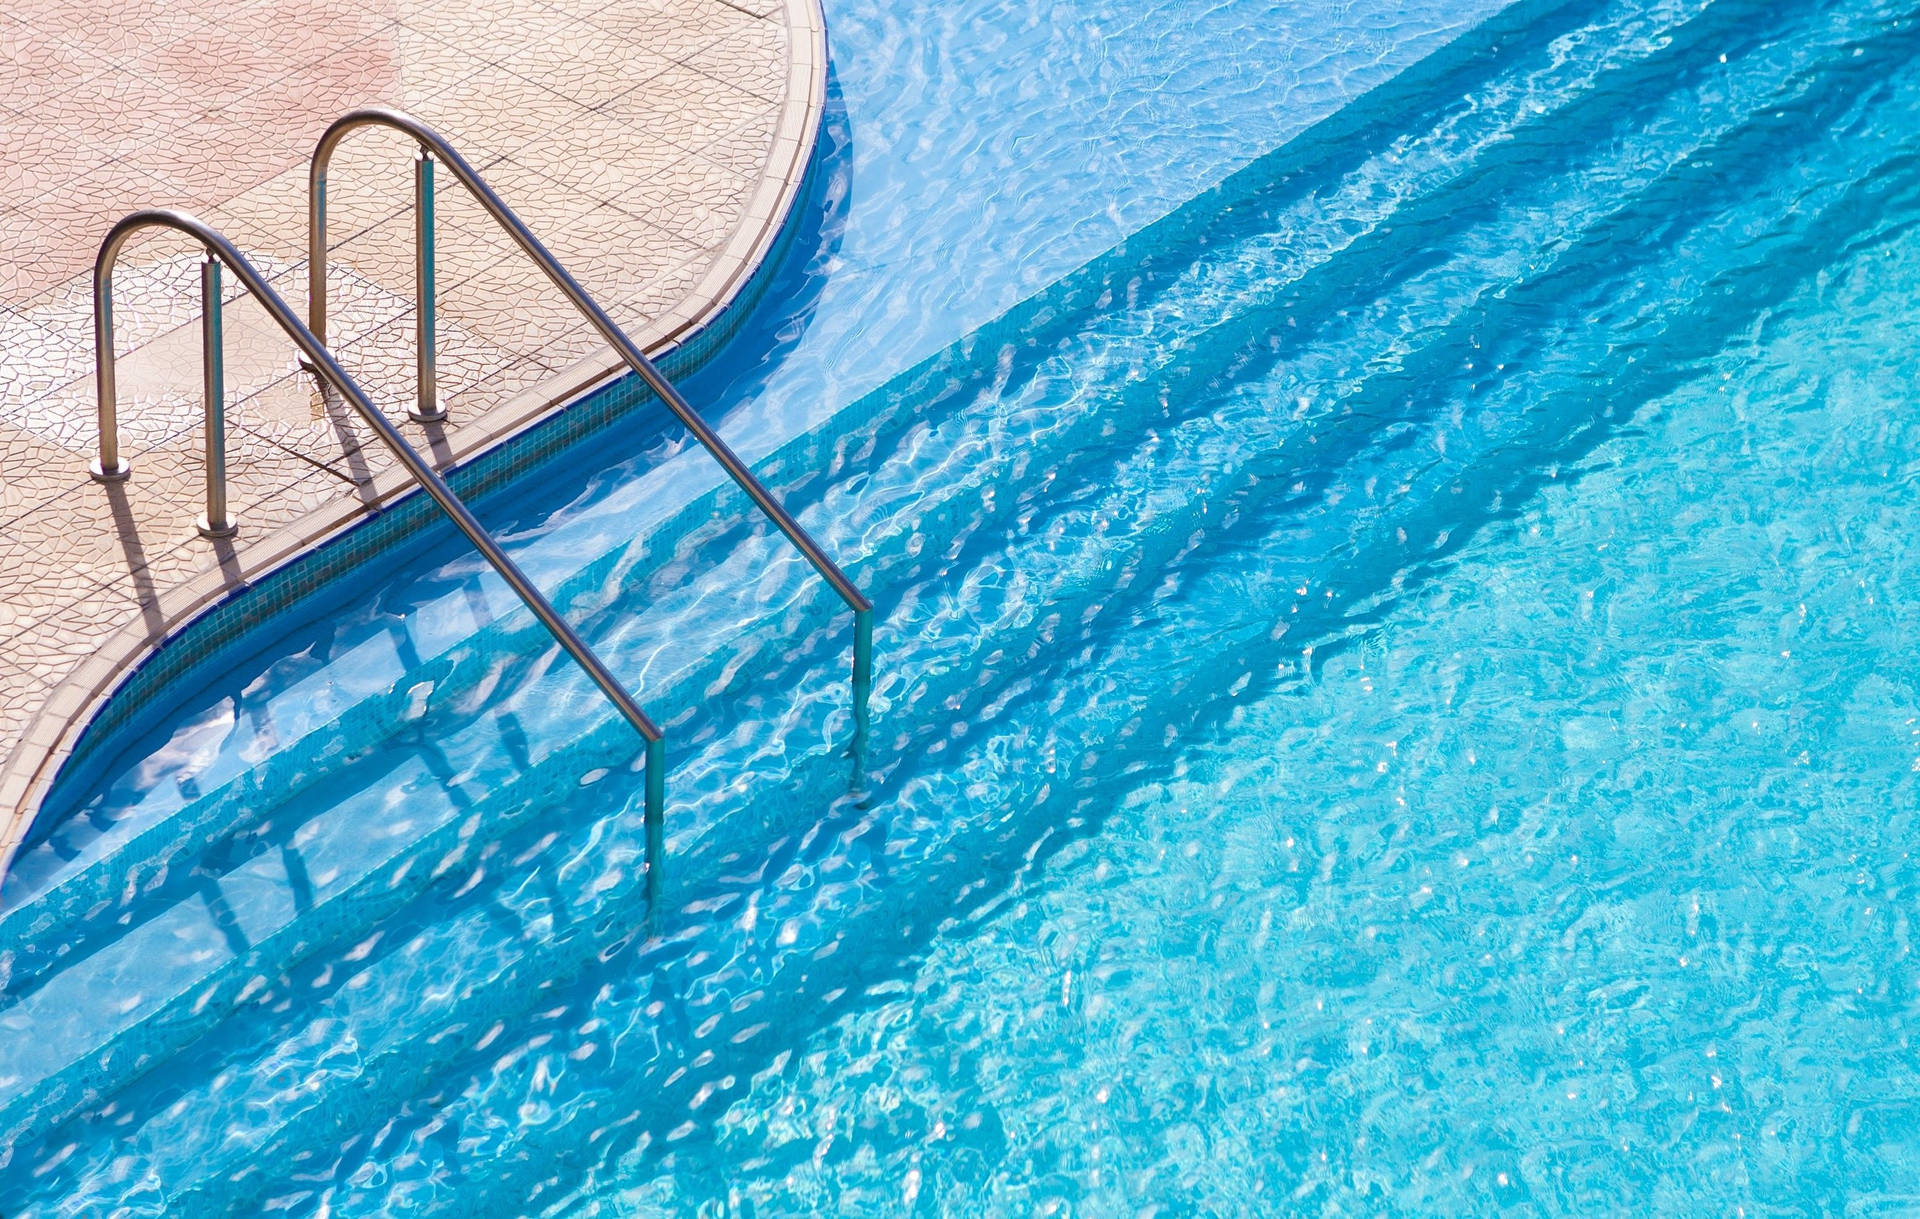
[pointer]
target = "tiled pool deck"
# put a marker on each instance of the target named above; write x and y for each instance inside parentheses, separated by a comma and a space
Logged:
(654, 145)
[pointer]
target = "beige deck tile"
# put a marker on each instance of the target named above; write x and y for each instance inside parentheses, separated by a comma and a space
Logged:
(744, 150)
(383, 361)
(369, 179)
(542, 202)
(74, 631)
(115, 110)
(586, 64)
(35, 66)
(752, 58)
(495, 112)
(471, 396)
(694, 198)
(118, 33)
(22, 691)
(32, 257)
(293, 414)
(686, 108)
(109, 532)
(40, 359)
(156, 289)
(33, 471)
(559, 175)
(613, 254)
(37, 153)
(268, 219)
(673, 28)
(651, 301)
(69, 417)
(427, 63)
(489, 29)
(466, 239)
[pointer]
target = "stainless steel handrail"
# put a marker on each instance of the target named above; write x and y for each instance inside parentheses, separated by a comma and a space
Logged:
(111, 467)
(432, 145)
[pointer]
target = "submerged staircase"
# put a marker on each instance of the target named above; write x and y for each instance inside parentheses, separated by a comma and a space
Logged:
(394, 981)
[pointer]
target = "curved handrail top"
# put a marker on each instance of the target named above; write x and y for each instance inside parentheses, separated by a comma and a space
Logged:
(383, 116)
(329, 368)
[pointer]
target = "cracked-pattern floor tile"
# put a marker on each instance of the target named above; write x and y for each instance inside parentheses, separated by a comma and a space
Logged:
(34, 257)
(512, 306)
(426, 64)
(127, 34)
(37, 154)
(118, 108)
(488, 29)
(614, 255)
(557, 176)
(653, 300)
(752, 58)
(65, 635)
(383, 255)
(673, 28)
(296, 415)
(759, 8)
(69, 417)
(383, 362)
(475, 397)
(36, 359)
(268, 219)
(91, 557)
(33, 471)
(22, 693)
(155, 289)
(744, 150)
(494, 112)
(467, 240)
(356, 304)
(586, 64)
(694, 198)
(35, 66)
(686, 108)
(542, 202)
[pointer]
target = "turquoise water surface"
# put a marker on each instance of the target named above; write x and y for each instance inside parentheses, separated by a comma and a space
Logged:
(1392, 700)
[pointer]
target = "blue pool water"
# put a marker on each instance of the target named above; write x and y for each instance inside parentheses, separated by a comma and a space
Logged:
(1392, 699)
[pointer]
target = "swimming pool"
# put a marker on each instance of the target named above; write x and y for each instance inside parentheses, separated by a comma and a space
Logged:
(1392, 700)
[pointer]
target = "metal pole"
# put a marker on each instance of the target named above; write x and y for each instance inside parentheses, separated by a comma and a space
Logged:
(109, 467)
(217, 523)
(317, 252)
(426, 408)
(656, 781)
(862, 672)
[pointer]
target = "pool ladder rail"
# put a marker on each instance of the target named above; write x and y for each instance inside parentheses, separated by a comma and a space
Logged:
(218, 520)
